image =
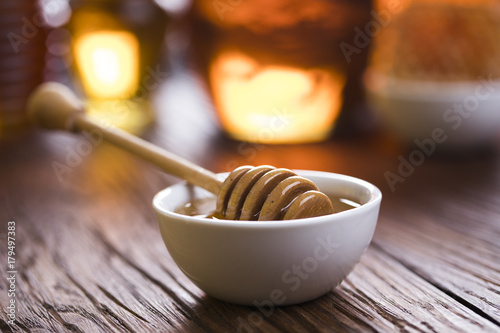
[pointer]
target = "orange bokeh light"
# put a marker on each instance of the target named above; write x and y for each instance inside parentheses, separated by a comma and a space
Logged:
(274, 103)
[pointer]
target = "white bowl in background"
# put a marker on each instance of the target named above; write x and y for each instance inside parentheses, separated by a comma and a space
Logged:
(414, 109)
(270, 262)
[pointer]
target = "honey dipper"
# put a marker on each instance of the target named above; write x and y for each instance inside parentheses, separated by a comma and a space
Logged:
(261, 193)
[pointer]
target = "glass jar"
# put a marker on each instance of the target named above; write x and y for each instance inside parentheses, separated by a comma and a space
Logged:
(435, 68)
(274, 67)
(116, 45)
(22, 61)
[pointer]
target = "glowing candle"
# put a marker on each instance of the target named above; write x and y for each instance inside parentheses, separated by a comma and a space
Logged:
(274, 104)
(108, 62)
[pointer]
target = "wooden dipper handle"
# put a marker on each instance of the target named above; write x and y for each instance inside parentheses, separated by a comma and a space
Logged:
(54, 106)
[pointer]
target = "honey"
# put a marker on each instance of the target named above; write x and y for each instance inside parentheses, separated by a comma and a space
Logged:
(205, 207)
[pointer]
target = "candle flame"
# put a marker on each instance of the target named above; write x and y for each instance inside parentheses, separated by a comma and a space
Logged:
(109, 63)
(274, 103)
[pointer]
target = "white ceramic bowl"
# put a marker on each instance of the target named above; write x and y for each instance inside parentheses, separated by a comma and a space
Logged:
(270, 262)
(414, 109)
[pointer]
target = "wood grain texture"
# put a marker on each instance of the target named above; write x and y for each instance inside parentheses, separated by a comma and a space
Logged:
(90, 257)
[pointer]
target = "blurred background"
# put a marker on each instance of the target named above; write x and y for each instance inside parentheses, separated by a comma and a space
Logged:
(404, 94)
(264, 71)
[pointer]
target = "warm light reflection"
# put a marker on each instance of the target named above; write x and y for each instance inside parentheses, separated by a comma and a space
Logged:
(131, 115)
(274, 104)
(109, 63)
(397, 6)
(394, 6)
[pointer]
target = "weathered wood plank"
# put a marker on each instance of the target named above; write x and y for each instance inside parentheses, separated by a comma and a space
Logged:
(404, 301)
(447, 231)
(91, 259)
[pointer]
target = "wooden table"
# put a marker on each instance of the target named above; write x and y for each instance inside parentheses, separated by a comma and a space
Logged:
(89, 256)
